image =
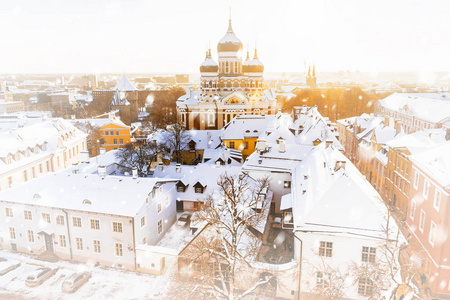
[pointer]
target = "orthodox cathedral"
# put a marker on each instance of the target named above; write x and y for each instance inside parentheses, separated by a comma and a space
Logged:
(228, 88)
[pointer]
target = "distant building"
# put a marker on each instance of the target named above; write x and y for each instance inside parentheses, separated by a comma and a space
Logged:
(229, 88)
(182, 78)
(311, 79)
(8, 107)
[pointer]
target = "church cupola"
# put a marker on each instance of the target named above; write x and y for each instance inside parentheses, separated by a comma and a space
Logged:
(246, 63)
(230, 42)
(209, 65)
(255, 65)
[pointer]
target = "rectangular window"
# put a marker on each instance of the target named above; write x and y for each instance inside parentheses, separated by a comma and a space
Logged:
(117, 227)
(95, 224)
(25, 175)
(167, 201)
(326, 249)
(245, 145)
(96, 246)
(79, 242)
(323, 280)
(365, 286)
(159, 207)
(40, 168)
(422, 220)
(416, 180)
(117, 133)
(121, 141)
(46, 217)
(111, 132)
(432, 236)
(48, 166)
(426, 189)
(413, 210)
(62, 241)
(180, 189)
(231, 145)
(59, 220)
(27, 215)
(76, 221)
(115, 141)
(199, 190)
(144, 241)
(119, 250)
(12, 233)
(369, 254)
(160, 226)
(30, 236)
(437, 199)
(9, 212)
(287, 184)
(9, 181)
(143, 221)
(106, 132)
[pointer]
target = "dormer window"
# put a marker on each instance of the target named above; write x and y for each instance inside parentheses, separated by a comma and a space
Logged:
(199, 187)
(86, 201)
(17, 157)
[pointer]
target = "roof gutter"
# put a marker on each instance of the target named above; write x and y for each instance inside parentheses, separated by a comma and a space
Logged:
(300, 265)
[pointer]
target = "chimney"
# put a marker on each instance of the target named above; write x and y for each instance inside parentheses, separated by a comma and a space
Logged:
(328, 143)
(397, 126)
(260, 145)
(178, 168)
(340, 164)
(75, 169)
(281, 145)
(152, 171)
(386, 121)
(134, 172)
(102, 151)
(85, 157)
(101, 170)
(447, 134)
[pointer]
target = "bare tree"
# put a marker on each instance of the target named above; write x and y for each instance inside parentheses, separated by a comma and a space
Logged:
(231, 214)
(177, 138)
(327, 282)
(139, 155)
(94, 137)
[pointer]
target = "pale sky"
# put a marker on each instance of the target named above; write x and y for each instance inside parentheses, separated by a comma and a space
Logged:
(85, 36)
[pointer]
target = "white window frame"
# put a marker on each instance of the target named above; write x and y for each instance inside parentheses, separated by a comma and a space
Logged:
(30, 236)
(9, 212)
(412, 214)
(118, 249)
(159, 207)
(423, 216)
(27, 215)
(62, 240)
(160, 222)
(437, 199)
(12, 233)
(432, 234)
(94, 224)
(416, 180)
(143, 221)
(75, 224)
(46, 217)
(79, 243)
(96, 246)
(121, 227)
(60, 220)
(426, 189)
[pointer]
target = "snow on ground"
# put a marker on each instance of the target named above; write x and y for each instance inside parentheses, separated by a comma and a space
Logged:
(176, 237)
(105, 283)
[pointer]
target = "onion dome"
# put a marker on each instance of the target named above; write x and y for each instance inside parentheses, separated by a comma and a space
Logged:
(255, 65)
(246, 63)
(230, 42)
(209, 65)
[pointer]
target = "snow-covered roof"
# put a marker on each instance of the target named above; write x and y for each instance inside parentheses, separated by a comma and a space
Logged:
(101, 122)
(432, 107)
(419, 140)
(119, 98)
(125, 85)
(435, 162)
(246, 126)
(115, 195)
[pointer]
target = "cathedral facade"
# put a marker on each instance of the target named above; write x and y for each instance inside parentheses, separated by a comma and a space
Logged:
(228, 88)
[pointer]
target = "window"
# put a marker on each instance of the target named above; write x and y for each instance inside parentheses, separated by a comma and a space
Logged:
(76, 221)
(62, 241)
(117, 133)
(25, 175)
(46, 217)
(121, 141)
(369, 254)
(30, 236)
(111, 132)
(426, 189)
(95, 224)
(432, 236)
(287, 184)
(167, 201)
(210, 119)
(96, 246)
(413, 210)
(9, 181)
(143, 221)
(323, 280)
(199, 190)
(12, 233)
(144, 241)
(416, 180)
(245, 145)
(422, 220)
(48, 166)
(117, 227)
(115, 141)
(9, 212)
(27, 215)
(106, 132)
(59, 220)
(231, 145)
(437, 200)
(160, 226)
(119, 251)
(365, 286)
(79, 242)
(326, 249)
(159, 207)
(180, 189)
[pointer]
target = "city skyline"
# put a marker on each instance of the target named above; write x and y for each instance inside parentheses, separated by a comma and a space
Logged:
(149, 37)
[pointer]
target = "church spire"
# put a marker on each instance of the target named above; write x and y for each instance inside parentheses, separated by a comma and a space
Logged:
(230, 28)
(256, 52)
(314, 70)
(309, 71)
